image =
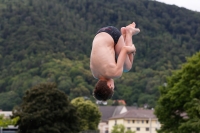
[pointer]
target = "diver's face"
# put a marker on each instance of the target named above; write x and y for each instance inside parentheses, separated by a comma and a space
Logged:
(111, 84)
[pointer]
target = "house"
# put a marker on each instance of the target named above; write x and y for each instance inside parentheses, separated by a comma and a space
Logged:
(6, 114)
(108, 112)
(9, 129)
(139, 120)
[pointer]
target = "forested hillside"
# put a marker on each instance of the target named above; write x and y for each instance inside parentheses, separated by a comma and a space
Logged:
(50, 40)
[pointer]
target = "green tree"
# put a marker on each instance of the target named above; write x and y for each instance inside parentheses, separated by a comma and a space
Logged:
(4, 122)
(45, 108)
(89, 113)
(120, 129)
(178, 107)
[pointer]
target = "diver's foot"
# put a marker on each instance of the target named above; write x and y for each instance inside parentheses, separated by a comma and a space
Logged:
(131, 29)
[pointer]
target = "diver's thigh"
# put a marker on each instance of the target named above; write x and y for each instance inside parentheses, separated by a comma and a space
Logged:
(120, 44)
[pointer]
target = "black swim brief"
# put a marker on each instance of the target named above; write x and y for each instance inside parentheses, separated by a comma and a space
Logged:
(112, 31)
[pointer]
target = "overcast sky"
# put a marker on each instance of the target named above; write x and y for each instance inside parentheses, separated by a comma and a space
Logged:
(189, 4)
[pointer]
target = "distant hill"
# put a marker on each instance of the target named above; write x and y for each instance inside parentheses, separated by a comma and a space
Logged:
(50, 41)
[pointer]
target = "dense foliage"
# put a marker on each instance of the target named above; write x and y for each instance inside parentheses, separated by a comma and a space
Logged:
(178, 107)
(42, 41)
(5, 122)
(45, 108)
(88, 112)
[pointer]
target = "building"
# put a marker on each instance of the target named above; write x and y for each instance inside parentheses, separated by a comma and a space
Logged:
(139, 120)
(108, 112)
(6, 114)
(10, 129)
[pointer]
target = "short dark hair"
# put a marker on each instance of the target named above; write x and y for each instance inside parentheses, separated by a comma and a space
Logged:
(102, 91)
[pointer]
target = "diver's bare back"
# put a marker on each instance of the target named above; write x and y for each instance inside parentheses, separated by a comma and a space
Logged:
(102, 58)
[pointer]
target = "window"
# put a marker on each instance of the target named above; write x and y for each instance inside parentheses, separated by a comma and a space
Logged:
(138, 121)
(147, 129)
(133, 121)
(147, 121)
(106, 131)
(142, 121)
(115, 122)
(138, 129)
(128, 121)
